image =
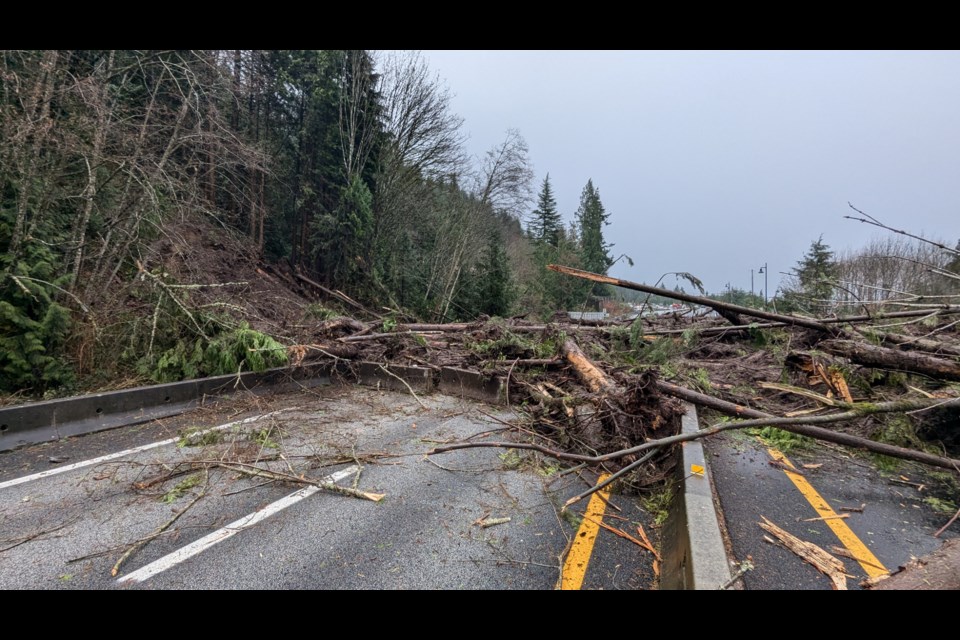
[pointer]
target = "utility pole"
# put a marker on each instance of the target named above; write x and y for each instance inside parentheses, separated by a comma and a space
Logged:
(751, 283)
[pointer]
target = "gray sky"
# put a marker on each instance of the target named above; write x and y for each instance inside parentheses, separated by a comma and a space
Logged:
(715, 163)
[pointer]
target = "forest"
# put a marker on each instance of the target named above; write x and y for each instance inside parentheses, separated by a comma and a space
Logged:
(344, 168)
(157, 209)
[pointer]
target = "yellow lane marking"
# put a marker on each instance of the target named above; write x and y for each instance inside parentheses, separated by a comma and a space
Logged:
(857, 549)
(575, 566)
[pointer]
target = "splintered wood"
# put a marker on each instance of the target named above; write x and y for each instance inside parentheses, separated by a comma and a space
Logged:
(823, 561)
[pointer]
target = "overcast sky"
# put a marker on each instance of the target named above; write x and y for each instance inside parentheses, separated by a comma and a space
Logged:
(716, 163)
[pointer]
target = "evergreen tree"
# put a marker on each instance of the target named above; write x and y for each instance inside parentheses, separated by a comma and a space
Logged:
(811, 288)
(496, 281)
(545, 225)
(591, 218)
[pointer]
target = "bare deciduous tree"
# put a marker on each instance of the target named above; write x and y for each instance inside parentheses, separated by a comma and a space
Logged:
(505, 177)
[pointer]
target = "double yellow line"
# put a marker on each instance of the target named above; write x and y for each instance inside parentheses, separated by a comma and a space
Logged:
(857, 549)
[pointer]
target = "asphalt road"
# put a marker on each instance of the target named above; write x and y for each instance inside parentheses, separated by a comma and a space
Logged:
(897, 521)
(67, 530)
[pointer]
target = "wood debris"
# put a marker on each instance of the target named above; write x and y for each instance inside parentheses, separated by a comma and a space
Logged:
(814, 555)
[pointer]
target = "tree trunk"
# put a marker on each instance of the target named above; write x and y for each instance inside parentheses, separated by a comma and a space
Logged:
(39, 104)
(819, 433)
(921, 344)
(103, 108)
(885, 358)
(591, 375)
(719, 306)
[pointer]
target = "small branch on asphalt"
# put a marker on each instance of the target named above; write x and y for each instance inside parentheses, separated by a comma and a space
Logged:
(16, 542)
(843, 552)
(745, 566)
(613, 477)
(142, 542)
(258, 472)
(492, 522)
(840, 516)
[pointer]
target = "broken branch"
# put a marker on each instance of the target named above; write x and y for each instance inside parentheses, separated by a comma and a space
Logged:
(823, 561)
(259, 472)
(141, 543)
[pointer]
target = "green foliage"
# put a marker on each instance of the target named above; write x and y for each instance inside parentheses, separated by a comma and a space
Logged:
(241, 349)
(735, 295)
(264, 438)
(511, 459)
(658, 504)
(940, 505)
(557, 292)
(496, 292)
(785, 441)
(341, 240)
(701, 379)
(549, 344)
(181, 488)
(389, 323)
(661, 350)
(316, 311)
(33, 325)
(899, 430)
(506, 344)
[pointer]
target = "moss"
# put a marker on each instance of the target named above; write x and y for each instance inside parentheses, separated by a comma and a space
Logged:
(940, 505)
(198, 437)
(181, 488)
(657, 504)
(511, 459)
(264, 438)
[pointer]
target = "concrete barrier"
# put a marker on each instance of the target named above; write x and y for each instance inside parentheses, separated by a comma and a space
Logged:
(393, 377)
(464, 383)
(49, 420)
(694, 555)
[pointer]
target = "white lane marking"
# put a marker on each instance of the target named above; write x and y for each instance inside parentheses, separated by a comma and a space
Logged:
(121, 454)
(235, 527)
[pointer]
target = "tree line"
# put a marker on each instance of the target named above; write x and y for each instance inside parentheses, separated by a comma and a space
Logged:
(345, 166)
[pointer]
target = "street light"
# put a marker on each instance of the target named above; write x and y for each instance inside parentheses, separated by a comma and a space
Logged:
(764, 270)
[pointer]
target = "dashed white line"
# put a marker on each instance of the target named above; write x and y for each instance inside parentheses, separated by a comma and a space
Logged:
(232, 529)
(121, 454)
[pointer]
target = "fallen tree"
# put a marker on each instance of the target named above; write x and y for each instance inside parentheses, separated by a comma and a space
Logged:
(898, 360)
(805, 426)
(843, 343)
